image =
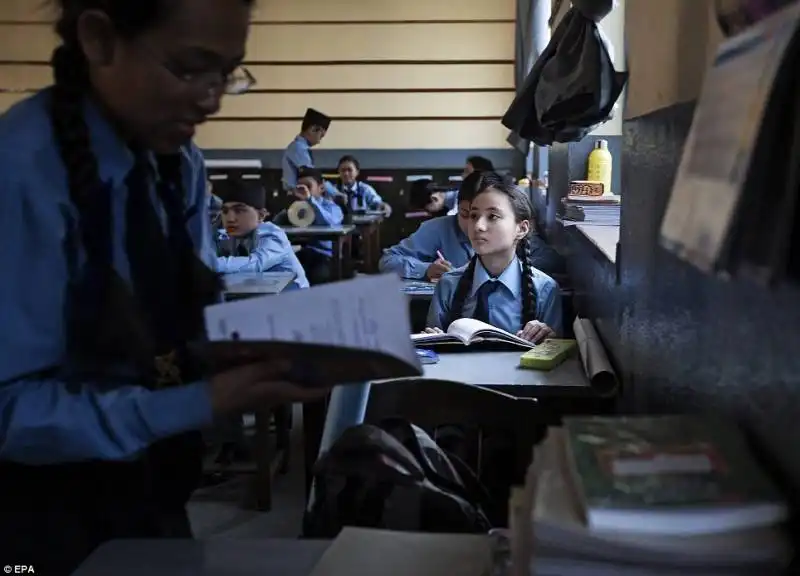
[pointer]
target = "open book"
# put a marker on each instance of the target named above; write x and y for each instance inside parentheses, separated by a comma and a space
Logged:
(468, 331)
(340, 333)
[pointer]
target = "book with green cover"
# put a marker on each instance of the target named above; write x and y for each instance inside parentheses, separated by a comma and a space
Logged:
(548, 354)
(669, 474)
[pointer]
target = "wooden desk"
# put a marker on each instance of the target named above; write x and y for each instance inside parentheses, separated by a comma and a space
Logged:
(369, 226)
(214, 557)
(339, 235)
(563, 391)
(500, 371)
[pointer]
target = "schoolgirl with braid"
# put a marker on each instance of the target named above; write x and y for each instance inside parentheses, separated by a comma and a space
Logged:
(107, 270)
(499, 285)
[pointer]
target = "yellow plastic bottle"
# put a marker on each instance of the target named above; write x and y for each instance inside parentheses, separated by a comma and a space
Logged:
(600, 165)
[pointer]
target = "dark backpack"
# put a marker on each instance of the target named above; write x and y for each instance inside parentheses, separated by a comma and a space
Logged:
(394, 476)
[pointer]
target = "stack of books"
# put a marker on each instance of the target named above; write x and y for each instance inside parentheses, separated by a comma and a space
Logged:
(595, 210)
(647, 495)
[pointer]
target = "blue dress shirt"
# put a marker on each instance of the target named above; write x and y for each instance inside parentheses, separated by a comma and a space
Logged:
(41, 421)
(271, 252)
(505, 303)
(412, 256)
(298, 154)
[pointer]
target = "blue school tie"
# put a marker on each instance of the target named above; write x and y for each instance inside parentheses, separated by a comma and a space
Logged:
(482, 305)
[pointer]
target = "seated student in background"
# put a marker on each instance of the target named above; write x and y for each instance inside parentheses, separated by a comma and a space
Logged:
(316, 255)
(448, 199)
(437, 246)
(360, 195)
(298, 153)
(246, 243)
(500, 285)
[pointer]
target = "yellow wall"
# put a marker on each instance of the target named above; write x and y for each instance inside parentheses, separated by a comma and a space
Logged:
(445, 68)
(670, 45)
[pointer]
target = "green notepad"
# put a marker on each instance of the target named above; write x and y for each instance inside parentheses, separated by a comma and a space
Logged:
(548, 354)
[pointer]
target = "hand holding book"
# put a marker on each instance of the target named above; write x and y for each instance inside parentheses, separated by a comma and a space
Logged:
(254, 386)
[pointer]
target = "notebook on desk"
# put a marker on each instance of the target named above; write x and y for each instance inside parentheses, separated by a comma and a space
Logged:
(468, 331)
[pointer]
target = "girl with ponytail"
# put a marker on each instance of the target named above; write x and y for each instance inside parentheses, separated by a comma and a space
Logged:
(106, 273)
(499, 285)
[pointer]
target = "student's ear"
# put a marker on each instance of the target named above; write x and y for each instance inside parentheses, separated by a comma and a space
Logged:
(97, 37)
(523, 229)
(262, 214)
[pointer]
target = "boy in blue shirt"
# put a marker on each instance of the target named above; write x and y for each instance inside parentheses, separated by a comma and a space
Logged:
(246, 243)
(316, 255)
(298, 153)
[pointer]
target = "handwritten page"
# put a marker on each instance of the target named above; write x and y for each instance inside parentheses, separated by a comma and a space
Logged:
(719, 149)
(366, 552)
(369, 313)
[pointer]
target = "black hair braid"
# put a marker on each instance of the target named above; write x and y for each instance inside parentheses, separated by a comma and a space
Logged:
(72, 136)
(529, 294)
(93, 204)
(461, 292)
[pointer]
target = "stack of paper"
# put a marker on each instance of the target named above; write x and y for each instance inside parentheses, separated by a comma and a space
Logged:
(596, 210)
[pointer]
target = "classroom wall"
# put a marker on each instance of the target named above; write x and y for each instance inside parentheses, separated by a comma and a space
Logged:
(685, 341)
(395, 76)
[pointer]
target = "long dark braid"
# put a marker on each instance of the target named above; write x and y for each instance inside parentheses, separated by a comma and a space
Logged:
(86, 190)
(521, 206)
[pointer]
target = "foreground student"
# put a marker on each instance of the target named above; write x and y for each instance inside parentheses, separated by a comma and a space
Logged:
(246, 243)
(500, 285)
(437, 246)
(316, 255)
(100, 407)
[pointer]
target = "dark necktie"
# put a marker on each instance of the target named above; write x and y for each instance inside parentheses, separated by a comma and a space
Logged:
(152, 270)
(482, 304)
(311, 156)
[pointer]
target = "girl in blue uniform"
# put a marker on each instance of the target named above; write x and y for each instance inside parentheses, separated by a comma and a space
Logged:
(104, 210)
(500, 285)
(360, 195)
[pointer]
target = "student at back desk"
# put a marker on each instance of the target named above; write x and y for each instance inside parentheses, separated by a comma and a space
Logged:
(360, 195)
(500, 285)
(298, 153)
(316, 254)
(437, 246)
(447, 201)
(246, 243)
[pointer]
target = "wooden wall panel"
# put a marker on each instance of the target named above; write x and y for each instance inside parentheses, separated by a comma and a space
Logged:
(445, 69)
(391, 105)
(358, 135)
(318, 10)
(337, 42)
(311, 78)
(328, 42)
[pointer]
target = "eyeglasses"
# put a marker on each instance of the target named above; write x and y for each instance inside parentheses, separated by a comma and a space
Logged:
(234, 83)
(240, 81)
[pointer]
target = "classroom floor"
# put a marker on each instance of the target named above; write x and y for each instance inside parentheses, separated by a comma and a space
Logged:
(216, 512)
